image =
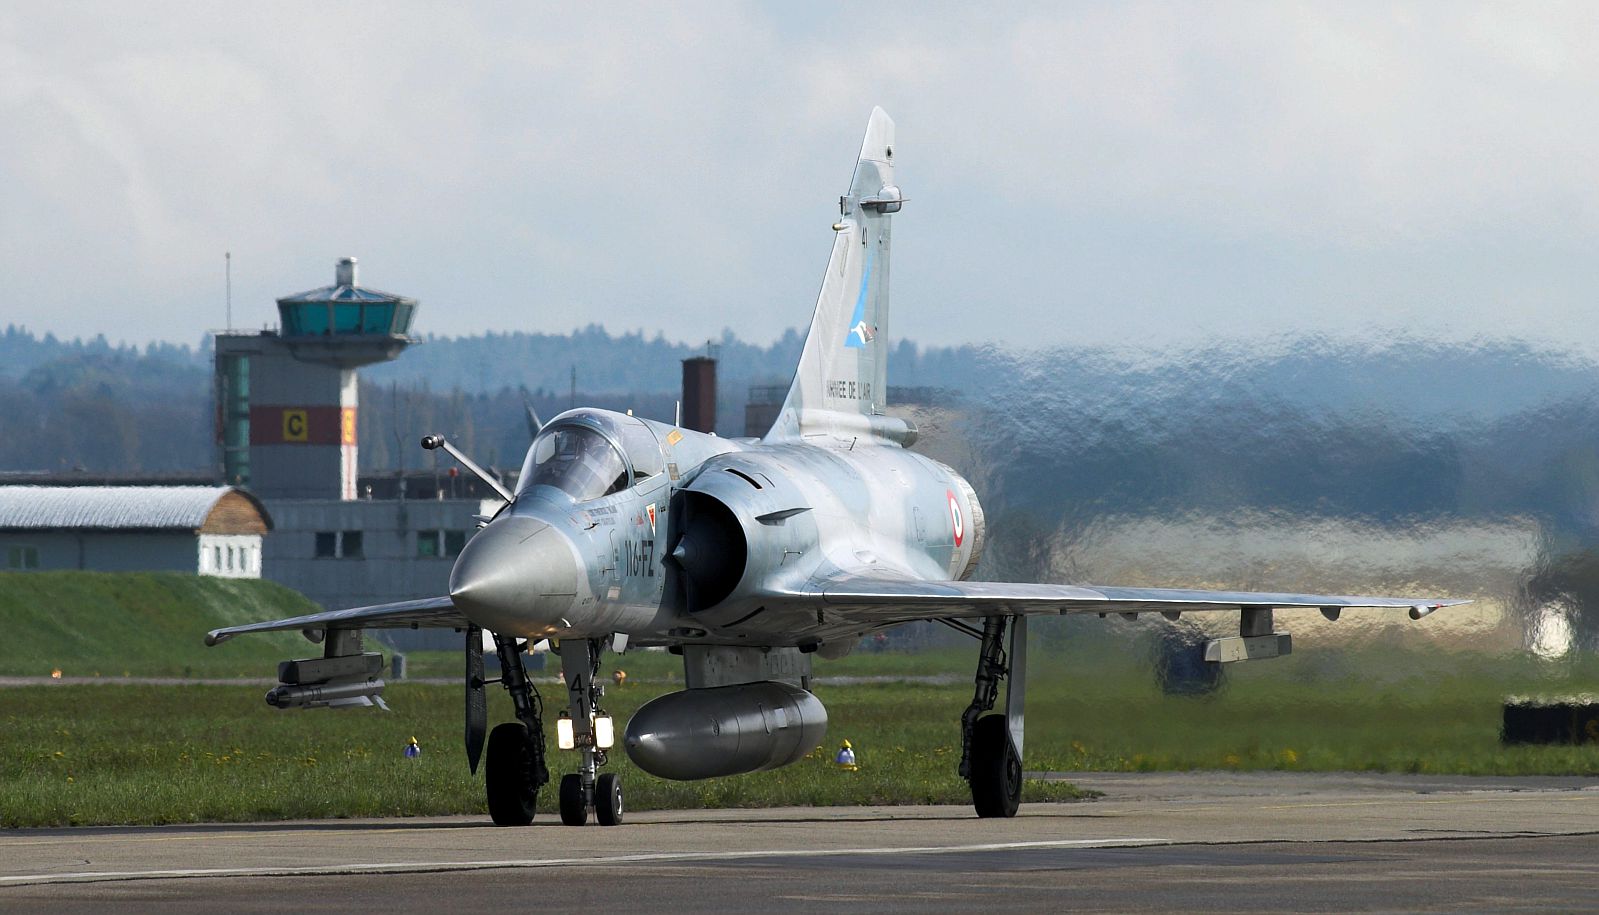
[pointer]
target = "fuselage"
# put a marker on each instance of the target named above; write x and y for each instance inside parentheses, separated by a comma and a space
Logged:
(670, 536)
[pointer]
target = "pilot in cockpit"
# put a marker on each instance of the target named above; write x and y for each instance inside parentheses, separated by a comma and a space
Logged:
(574, 456)
(577, 460)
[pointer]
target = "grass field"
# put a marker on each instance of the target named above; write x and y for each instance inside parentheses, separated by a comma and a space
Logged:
(141, 624)
(147, 754)
(143, 754)
(663, 667)
(129, 753)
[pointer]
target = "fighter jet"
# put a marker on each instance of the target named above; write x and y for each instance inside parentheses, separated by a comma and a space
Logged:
(745, 557)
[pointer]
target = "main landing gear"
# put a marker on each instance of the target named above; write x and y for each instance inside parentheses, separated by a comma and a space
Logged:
(515, 768)
(991, 745)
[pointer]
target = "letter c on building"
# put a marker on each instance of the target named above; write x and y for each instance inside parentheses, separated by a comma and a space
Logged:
(296, 428)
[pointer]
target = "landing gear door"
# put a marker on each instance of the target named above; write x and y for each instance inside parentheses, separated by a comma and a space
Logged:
(1016, 683)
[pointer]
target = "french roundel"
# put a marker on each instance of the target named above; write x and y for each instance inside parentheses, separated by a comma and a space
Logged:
(958, 525)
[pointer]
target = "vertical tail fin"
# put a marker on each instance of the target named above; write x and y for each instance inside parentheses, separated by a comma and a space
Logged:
(841, 384)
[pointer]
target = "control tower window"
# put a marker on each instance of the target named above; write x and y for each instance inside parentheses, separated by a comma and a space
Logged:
(347, 318)
(377, 319)
(578, 461)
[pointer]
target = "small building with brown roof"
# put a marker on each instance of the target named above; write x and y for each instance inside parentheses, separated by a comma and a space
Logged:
(208, 530)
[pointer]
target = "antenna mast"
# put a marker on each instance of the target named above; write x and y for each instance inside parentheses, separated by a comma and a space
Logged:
(227, 259)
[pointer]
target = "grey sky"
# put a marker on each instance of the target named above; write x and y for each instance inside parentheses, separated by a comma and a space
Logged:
(1100, 173)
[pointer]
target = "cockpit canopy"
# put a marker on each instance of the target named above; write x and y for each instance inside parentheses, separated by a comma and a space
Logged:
(588, 454)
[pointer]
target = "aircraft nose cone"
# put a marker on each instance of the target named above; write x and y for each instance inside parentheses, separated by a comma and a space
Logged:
(518, 576)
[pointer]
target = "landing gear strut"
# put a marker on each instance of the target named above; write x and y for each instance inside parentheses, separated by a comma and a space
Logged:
(584, 789)
(515, 768)
(991, 745)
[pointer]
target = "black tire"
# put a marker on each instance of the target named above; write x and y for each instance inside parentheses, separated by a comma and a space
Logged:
(508, 775)
(608, 799)
(996, 771)
(574, 812)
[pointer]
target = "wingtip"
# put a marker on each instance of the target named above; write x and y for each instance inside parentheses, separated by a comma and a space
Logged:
(1417, 611)
(214, 638)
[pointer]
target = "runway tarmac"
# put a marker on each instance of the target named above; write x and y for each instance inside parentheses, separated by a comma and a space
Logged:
(1181, 841)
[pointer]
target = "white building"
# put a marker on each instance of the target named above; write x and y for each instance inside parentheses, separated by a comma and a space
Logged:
(209, 530)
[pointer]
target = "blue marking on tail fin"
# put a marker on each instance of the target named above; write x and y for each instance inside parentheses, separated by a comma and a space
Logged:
(859, 333)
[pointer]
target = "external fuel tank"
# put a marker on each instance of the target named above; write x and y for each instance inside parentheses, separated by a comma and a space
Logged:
(725, 730)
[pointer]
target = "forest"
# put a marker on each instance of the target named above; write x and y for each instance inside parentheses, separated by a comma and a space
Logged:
(1392, 435)
(1377, 430)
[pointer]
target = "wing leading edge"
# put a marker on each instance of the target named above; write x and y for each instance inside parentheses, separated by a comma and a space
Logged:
(431, 612)
(910, 598)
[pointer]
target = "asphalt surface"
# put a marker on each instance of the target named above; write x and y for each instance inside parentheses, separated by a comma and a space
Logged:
(1180, 842)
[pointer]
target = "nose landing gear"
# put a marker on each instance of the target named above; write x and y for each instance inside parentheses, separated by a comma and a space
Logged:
(585, 789)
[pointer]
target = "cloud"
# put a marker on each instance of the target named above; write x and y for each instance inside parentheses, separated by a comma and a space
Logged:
(1086, 171)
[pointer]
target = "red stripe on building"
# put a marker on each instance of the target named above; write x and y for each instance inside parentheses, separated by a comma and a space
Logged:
(302, 425)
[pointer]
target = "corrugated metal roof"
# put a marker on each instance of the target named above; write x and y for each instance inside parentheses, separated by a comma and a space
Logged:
(107, 507)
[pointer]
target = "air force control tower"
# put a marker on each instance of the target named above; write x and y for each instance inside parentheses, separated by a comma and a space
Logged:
(288, 399)
(287, 430)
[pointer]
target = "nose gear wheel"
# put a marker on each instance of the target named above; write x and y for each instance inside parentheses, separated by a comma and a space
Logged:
(574, 806)
(608, 799)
